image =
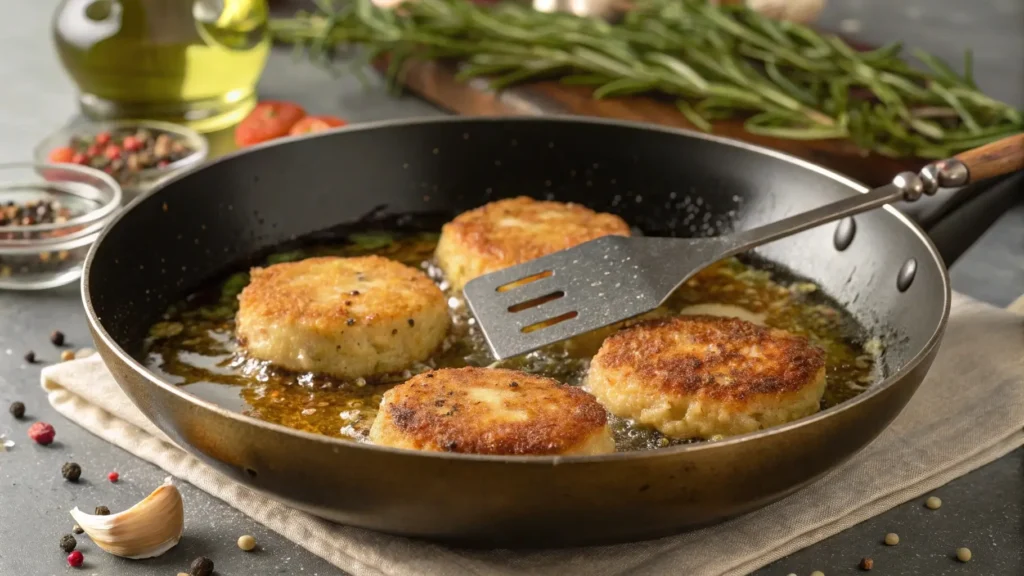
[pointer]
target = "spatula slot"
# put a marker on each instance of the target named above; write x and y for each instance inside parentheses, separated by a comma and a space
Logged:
(549, 322)
(525, 281)
(533, 303)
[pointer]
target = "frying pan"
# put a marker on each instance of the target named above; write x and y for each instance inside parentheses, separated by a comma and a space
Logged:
(663, 181)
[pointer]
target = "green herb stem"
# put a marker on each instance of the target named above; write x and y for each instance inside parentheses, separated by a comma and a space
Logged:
(718, 62)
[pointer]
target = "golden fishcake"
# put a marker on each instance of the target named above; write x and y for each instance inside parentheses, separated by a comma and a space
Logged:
(347, 317)
(509, 232)
(704, 376)
(491, 411)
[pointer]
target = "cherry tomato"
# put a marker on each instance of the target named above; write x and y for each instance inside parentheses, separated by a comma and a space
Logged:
(131, 143)
(94, 150)
(102, 138)
(112, 152)
(311, 124)
(62, 154)
(269, 120)
(79, 158)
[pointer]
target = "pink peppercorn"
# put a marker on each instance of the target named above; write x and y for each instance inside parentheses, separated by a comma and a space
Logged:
(113, 476)
(75, 559)
(42, 433)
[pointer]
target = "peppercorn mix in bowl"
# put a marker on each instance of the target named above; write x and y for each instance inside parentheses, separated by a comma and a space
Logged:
(50, 214)
(138, 154)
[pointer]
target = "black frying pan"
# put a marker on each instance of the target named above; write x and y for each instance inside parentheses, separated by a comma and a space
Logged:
(199, 224)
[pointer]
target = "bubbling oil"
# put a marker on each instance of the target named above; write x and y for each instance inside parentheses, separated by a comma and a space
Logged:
(193, 345)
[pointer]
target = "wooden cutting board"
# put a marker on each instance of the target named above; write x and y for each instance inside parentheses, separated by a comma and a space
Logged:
(436, 83)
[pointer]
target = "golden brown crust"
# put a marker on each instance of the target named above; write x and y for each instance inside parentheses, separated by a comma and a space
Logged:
(330, 293)
(512, 231)
(724, 359)
(489, 411)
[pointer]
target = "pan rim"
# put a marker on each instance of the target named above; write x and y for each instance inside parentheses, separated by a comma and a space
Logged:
(337, 444)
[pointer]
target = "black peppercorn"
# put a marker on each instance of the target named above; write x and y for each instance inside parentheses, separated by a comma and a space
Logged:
(30, 357)
(17, 410)
(102, 511)
(68, 543)
(77, 529)
(412, 322)
(351, 322)
(201, 566)
(71, 471)
(57, 338)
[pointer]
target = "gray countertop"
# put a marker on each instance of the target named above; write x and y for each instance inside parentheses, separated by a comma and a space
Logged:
(982, 510)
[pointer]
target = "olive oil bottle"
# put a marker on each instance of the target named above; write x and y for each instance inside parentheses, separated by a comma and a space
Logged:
(194, 62)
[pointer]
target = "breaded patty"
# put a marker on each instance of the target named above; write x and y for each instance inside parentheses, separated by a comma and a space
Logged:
(509, 232)
(348, 317)
(704, 376)
(491, 411)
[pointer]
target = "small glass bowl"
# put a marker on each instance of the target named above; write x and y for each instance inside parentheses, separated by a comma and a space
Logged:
(133, 184)
(46, 255)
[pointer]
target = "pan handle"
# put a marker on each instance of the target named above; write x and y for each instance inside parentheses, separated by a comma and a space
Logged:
(955, 218)
(970, 196)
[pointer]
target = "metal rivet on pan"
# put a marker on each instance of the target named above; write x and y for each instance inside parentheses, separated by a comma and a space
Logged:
(906, 275)
(845, 231)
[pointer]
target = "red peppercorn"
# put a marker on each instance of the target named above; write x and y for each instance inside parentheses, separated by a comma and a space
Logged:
(61, 155)
(102, 138)
(131, 143)
(112, 152)
(79, 158)
(113, 476)
(75, 559)
(94, 150)
(41, 432)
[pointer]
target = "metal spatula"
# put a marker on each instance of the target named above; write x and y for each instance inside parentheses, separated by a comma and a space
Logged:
(614, 278)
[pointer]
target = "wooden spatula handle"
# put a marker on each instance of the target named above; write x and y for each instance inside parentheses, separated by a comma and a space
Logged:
(995, 158)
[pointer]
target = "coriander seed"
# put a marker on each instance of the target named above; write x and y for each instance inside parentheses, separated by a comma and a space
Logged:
(71, 471)
(67, 355)
(817, 573)
(933, 503)
(963, 554)
(892, 539)
(68, 543)
(17, 410)
(246, 542)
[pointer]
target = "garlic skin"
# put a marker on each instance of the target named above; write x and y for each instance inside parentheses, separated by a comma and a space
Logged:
(800, 11)
(146, 530)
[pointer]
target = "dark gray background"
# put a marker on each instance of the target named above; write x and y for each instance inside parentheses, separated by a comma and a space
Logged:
(982, 510)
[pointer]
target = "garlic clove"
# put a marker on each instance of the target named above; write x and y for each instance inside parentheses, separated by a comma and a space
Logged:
(148, 529)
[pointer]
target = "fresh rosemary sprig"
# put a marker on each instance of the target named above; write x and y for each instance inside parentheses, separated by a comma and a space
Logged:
(784, 79)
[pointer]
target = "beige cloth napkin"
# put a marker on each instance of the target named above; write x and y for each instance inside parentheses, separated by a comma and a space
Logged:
(968, 412)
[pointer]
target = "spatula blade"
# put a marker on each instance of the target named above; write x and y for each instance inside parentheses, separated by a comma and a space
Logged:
(558, 296)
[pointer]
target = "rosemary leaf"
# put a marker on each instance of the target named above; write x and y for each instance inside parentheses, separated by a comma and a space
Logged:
(718, 63)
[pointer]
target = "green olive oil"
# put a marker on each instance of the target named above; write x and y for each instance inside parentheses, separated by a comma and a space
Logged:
(194, 62)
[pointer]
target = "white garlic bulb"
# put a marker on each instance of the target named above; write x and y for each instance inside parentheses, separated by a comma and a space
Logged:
(148, 529)
(802, 11)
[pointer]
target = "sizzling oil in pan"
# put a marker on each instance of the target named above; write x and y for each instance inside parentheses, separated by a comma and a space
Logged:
(193, 345)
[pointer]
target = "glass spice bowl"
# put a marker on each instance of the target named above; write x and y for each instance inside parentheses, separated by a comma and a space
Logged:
(134, 181)
(50, 214)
